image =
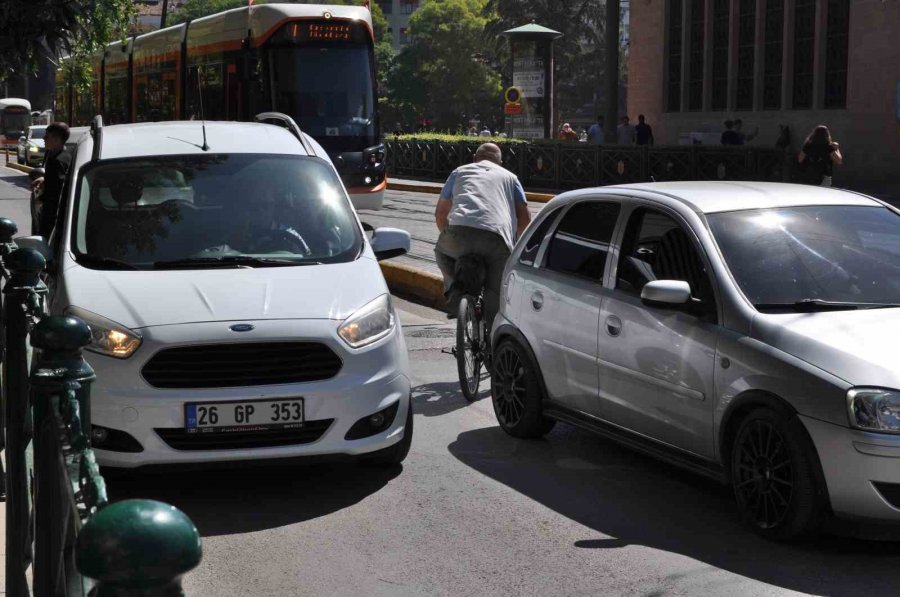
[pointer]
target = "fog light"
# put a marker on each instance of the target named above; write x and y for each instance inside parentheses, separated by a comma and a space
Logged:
(368, 180)
(98, 435)
(374, 423)
(376, 420)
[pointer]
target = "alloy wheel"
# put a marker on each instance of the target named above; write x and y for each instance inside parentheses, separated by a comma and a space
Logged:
(764, 474)
(509, 386)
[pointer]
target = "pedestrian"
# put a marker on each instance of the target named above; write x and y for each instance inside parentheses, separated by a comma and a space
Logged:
(643, 132)
(625, 132)
(730, 136)
(738, 126)
(819, 156)
(784, 137)
(56, 166)
(595, 133)
(485, 132)
(567, 133)
(481, 211)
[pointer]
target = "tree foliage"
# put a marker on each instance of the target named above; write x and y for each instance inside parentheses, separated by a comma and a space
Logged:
(31, 28)
(445, 74)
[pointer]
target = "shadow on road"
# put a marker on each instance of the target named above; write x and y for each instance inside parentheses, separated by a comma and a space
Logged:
(14, 178)
(633, 500)
(224, 501)
(441, 398)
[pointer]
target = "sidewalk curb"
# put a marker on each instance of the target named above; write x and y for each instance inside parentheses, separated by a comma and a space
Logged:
(421, 188)
(425, 287)
(20, 167)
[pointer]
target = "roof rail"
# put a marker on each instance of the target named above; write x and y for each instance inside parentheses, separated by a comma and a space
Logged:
(97, 134)
(285, 121)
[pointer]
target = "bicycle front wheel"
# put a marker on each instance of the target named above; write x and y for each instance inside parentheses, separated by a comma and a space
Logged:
(468, 351)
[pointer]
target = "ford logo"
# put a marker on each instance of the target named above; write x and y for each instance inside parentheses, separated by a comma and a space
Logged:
(241, 327)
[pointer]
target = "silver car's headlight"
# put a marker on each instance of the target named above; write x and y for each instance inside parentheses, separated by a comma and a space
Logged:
(107, 337)
(369, 324)
(33, 149)
(874, 409)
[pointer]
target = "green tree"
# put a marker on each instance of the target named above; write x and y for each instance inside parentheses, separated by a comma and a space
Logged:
(31, 28)
(444, 73)
(195, 9)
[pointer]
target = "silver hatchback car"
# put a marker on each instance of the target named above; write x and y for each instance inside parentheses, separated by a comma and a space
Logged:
(746, 331)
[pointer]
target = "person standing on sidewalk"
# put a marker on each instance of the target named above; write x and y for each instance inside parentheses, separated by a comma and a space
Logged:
(625, 132)
(819, 156)
(643, 132)
(595, 133)
(56, 167)
(481, 211)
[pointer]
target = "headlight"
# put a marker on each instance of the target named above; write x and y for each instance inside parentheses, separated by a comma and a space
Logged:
(369, 324)
(107, 337)
(33, 149)
(874, 409)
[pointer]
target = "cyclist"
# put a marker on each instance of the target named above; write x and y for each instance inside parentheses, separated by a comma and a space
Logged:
(481, 211)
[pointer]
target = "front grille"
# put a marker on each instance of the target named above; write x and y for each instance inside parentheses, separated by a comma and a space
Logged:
(890, 492)
(241, 365)
(179, 439)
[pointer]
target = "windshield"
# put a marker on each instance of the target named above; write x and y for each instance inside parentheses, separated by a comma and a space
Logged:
(329, 91)
(788, 256)
(14, 121)
(199, 210)
(36, 133)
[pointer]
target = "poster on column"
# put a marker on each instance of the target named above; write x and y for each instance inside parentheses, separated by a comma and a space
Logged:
(529, 77)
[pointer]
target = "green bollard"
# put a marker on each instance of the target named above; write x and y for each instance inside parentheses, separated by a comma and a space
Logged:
(138, 548)
(8, 230)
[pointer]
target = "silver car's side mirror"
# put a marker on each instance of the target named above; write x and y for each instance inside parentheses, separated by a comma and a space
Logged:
(389, 242)
(666, 292)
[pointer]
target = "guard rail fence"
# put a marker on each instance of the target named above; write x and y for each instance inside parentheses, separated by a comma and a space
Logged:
(59, 522)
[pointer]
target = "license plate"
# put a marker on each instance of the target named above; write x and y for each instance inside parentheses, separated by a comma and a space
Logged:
(243, 416)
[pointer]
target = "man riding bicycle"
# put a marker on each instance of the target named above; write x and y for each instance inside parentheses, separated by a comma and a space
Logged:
(481, 211)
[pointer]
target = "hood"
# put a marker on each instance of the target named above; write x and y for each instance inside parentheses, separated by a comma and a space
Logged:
(860, 347)
(37, 143)
(139, 299)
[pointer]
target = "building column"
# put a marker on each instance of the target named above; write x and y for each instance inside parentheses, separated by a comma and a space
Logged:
(733, 43)
(787, 57)
(819, 50)
(686, 53)
(759, 54)
(707, 54)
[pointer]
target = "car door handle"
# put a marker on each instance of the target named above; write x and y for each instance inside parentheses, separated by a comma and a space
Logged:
(613, 326)
(537, 301)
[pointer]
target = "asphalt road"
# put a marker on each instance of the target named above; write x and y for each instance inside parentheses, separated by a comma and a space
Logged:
(475, 512)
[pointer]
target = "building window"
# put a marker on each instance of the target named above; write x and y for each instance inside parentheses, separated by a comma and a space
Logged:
(408, 7)
(773, 54)
(673, 102)
(746, 62)
(720, 16)
(804, 53)
(698, 37)
(836, 53)
(387, 7)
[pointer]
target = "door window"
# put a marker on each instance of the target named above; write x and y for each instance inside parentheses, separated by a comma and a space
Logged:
(533, 244)
(656, 247)
(581, 241)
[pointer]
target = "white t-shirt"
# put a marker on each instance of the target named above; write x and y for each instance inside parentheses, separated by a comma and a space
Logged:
(485, 196)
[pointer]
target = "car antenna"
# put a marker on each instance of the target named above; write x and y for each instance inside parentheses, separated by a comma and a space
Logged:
(205, 146)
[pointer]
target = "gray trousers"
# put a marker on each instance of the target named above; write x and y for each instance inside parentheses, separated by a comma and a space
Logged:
(456, 241)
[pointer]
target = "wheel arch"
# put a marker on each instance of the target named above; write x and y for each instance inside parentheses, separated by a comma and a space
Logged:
(508, 331)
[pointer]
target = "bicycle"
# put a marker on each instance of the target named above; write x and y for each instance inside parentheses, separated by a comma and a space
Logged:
(473, 345)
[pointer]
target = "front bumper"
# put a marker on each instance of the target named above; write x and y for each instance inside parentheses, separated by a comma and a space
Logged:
(370, 380)
(855, 463)
(35, 159)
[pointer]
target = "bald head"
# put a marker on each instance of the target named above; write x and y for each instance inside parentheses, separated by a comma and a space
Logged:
(490, 152)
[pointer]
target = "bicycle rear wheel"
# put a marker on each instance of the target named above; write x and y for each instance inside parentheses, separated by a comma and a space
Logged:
(468, 351)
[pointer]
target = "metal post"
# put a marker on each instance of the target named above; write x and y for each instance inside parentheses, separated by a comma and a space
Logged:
(138, 547)
(25, 267)
(612, 68)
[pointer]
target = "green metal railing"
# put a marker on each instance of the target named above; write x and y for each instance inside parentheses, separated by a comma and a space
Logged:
(556, 165)
(59, 522)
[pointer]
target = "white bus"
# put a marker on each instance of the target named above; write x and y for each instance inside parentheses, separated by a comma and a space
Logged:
(15, 117)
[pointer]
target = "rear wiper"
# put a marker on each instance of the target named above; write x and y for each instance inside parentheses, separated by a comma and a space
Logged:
(107, 262)
(811, 305)
(228, 261)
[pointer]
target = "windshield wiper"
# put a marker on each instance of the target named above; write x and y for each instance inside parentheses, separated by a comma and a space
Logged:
(810, 305)
(229, 261)
(106, 262)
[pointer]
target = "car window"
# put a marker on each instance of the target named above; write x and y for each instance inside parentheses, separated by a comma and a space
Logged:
(533, 243)
(581, 241)
(151, 212)
(36, 133)
(656, 247)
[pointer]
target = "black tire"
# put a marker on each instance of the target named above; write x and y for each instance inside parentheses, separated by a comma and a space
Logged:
(468, 354)
(516, 393)
(775, 477)
(393, 455)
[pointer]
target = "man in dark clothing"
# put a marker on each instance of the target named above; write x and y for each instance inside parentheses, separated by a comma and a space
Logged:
(643, 133)
(731, 136)
(56, 167)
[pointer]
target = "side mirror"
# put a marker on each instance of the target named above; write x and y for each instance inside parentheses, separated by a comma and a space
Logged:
(35, 242)
(389, 242)
(666, 293)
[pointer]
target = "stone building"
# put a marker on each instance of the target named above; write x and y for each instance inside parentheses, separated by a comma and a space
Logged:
(696, 63)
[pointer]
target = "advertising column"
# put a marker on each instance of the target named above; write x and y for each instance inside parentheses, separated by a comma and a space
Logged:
(531, 115)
